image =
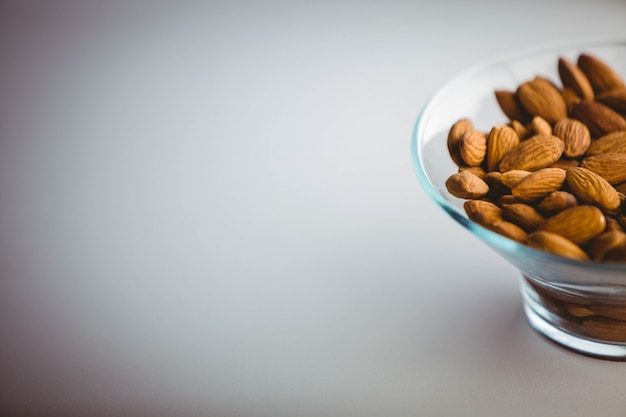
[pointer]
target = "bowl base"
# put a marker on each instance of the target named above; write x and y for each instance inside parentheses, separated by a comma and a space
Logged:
(537, 314)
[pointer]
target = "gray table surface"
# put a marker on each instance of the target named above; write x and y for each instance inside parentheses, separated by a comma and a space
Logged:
(209, 209)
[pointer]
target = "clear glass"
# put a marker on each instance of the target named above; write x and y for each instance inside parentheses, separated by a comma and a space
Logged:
(579, 305)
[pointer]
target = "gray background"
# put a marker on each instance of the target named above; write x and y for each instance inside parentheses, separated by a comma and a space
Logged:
(209, 209)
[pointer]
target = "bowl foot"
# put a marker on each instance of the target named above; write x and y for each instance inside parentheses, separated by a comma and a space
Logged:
(568, 331)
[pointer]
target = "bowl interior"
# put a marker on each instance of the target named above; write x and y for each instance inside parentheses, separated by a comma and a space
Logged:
(471, 95)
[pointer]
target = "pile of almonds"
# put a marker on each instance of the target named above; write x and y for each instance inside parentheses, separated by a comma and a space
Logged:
(554, 176)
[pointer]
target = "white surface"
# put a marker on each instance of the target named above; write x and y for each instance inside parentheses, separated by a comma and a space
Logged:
(209, 209)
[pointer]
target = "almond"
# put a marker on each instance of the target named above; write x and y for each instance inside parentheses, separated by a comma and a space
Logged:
(605, 329)
(615, 99)
(610, 166)
(538, 125)
(590, 188)
(556, 244)
(539, 184)
(556, 202)
(511, 178)
(455, 134)
(601, 76)
(578, 224)
(523, 215)
(510, 106)
(599, 118)
(464, 184)
(611, 143)
(575, 136)
(501, 139)
(598, 247)
(539, 97)
(574, 78)
(510, 230)
(570, 98)
(539, 151)
(478, 171)
(483, 212)
(617, 312)
(473, 147)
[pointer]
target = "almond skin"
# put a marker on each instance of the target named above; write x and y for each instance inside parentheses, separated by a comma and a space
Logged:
(523, 215)
(611, 143)
(601, 75)
(610, 166)
(574, 78)
(466, 185)
(599, 118)
(540, 97)
(539, 126)
(455, 134)
(473, 147)
(539, 151)
(556, 202)
(556, 244)
(539, 184)
(483, 212)
(575, 136)
(615, 99)
(511, 107)
(605, 329)
(501, 139)
(578, 224)
(590, 188)
(600, 245)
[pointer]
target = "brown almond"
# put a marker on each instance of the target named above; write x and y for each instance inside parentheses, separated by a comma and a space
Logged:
(496, 188)
(478, 171)
(509, 199)
(575, 136)
(605, 329)
(599, 118)
(570, 98)
(578, 224)
(612, 225)
(510, 230)
(511, 178)
(556, 202)
(565, 163)
(617, 312)
(501, 139)
(539, 184)
(614, 142)
(466, 185)
(523, 215)
(600, 74)
(473, 147)
(483, 212)
(455, 134)
(539, 126)
(590, 188)
(578, 311)
(520, 129)
(556, 244)
(510, 106)
(539, 97)
(574, 78)
(615, 99)
(539, 151)
(598, 247)
(617, 255)
(610, 166)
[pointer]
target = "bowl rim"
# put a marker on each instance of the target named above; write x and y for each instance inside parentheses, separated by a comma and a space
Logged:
(493, 239)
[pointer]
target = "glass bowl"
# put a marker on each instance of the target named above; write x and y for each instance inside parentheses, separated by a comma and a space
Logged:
(580, 305)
